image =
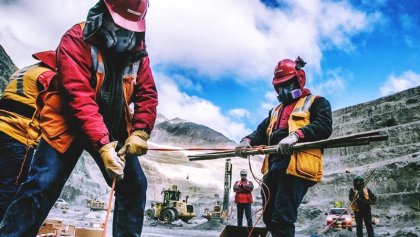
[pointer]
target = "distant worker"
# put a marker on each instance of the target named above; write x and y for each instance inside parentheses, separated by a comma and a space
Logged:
(19, 131)
(243, 198)
(300, 117)
(361, 207)
(102, 68)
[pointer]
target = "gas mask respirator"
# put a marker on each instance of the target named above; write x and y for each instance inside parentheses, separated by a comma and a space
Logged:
(289, 91)
(115, 38)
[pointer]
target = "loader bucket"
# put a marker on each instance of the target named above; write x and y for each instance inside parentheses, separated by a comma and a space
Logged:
(236, 231)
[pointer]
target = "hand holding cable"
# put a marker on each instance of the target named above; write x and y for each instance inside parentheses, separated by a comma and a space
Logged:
(114, 164)
(243, 146)
(135, 144)
(285, 145)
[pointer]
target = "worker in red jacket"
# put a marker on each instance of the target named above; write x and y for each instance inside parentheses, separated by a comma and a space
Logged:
(243, 198)
(102, 68)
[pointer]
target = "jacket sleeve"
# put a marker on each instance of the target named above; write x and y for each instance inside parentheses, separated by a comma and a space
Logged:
(259, 136)
(73, 70)
(145, 99)
(372, 196)
(321, 121)
(236, 187)
(249, 186)
(351, 195)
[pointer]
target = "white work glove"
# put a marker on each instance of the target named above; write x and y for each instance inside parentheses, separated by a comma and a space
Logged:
(285, 145)
(114, 164)
(239, 150)
(135, 144)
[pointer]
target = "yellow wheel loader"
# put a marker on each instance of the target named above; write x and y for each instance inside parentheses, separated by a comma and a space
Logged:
(171, 209)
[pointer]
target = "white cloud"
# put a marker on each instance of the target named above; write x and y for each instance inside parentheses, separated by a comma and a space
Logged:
(186, 83)
(239, 113)
(175, 103)
(270, 101)
(395, 84)
(335, 82)
(27, 27)
(245, 38)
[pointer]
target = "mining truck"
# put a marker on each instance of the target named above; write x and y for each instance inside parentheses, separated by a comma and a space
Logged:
(171, 209)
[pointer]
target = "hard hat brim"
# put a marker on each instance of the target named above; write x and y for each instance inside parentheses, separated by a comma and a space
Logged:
(136, 26)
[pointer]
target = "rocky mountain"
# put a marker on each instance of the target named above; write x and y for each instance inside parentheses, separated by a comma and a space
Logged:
(182, 132)
(7, 67)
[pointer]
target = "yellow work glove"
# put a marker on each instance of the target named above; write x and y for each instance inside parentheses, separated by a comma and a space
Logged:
(135, 144)
(114, 164)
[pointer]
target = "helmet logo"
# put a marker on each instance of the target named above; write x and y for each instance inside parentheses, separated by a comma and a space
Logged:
(133, 12)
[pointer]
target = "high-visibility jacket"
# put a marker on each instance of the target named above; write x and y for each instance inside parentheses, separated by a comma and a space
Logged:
(306, 164)
(69, 106)
(367, 197)
(18, 117)
(243, 191)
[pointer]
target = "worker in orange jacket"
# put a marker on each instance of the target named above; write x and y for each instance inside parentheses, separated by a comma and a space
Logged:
(19, 131)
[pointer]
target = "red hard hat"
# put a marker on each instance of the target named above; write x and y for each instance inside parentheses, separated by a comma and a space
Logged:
(129, 14)
(287, 69)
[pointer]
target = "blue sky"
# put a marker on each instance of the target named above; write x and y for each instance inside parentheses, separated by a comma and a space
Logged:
(213, 59)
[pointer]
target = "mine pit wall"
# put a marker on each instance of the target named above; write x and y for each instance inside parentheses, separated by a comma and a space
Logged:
(396, 162)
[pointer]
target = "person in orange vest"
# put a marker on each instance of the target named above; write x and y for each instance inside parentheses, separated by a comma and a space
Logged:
(19, 131)
(300, 117)
(243, 198)
(102, 68)
(361, 207)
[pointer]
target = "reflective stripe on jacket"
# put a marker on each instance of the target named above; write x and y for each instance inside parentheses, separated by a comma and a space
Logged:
(18, 117)
(69, 106)
(243, 192)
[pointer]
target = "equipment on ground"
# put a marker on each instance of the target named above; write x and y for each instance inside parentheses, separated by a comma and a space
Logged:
(171, 209)
(241, 231)
(220, 210)
(215, 213)
(95, 204)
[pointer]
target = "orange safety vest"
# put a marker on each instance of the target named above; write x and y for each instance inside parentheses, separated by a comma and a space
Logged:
(56, 126)
(306, 164)
(17, 105)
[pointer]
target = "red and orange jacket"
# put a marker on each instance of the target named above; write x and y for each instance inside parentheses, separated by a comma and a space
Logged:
(243, 190)
(69, 106)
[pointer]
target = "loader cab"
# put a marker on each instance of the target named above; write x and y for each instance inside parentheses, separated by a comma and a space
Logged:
(171, 195)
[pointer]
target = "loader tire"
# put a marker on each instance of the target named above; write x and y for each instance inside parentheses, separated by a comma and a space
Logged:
(169, 216)
(150, 214)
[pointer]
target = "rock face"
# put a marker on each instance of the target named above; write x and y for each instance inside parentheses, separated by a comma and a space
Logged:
(396, 162)
(7, 67)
